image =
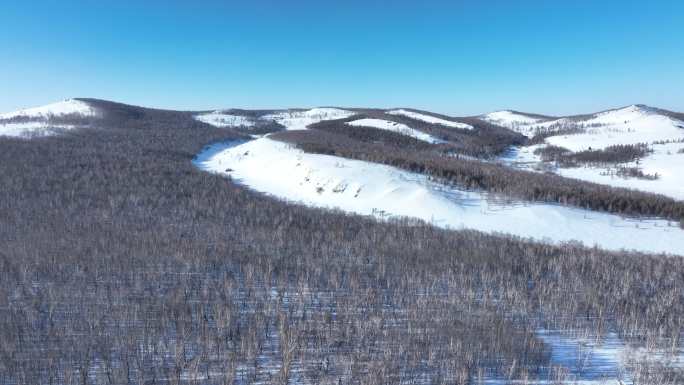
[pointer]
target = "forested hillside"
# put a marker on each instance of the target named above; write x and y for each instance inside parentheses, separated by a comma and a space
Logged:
(124, 264)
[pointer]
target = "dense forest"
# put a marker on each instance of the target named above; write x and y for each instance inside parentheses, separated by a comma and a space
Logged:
(621, 153)
(121, 263)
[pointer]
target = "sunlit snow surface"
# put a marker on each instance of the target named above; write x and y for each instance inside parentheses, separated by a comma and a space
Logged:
(630, 125)
(299, 120)
(38, 121)
(513, 120)
(66, 107)
(395, 127)
(280, 170)
(221, 119)
(430, 119)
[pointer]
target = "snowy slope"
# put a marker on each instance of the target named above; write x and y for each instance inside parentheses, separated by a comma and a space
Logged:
(630, 125)
(430, 119)
(513, 120)
(32, 129)
(395, 127)
(221, 119)
(66, 107)
(40, 121)
(299, 120)
(665, 161)
(287, 173)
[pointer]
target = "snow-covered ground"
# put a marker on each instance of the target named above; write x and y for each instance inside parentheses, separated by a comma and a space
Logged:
(299, 120)
(395, 127)
(66, 107)
(280, 170)
(32, 129)
(39, 121)
(514, 120)
(632, 124)
(430, 119)
(221, 119)
(629, 125)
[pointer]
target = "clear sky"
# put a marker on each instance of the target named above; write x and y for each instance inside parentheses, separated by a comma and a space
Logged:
(456, 57)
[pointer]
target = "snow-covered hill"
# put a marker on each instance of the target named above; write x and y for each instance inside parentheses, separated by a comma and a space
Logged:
(224, 119)
(516, 121)
(287, 173)
(395, 127)
(45, 120)
(430, 119)
(629, 125)
(636, 124)
(63, 108)
(299, 120)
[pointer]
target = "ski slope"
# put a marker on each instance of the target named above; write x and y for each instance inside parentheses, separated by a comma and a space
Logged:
(395, 127)
(430, 119)
(282, 171)
(221, 119)
(299, 120)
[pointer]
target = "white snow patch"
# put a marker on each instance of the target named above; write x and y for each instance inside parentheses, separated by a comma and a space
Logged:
(220, 119)
(515, 121)
(32, 129)
(629, 125)
(621, 128)
(299, 120)
(395, 127)
(666, 161)
(367, 188)
(430, 119)
(66, 107)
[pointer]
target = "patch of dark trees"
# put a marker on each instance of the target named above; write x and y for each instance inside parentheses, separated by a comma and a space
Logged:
(473, 174)
(621, 153)
(121, 263)
(542, 133)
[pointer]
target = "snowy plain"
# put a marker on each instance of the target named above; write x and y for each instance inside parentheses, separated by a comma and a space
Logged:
(282, 171)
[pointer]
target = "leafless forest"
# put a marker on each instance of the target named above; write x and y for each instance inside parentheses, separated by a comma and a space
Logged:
(121, 263)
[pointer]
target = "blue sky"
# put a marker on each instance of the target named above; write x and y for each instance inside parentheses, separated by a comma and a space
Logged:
(455, 57)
